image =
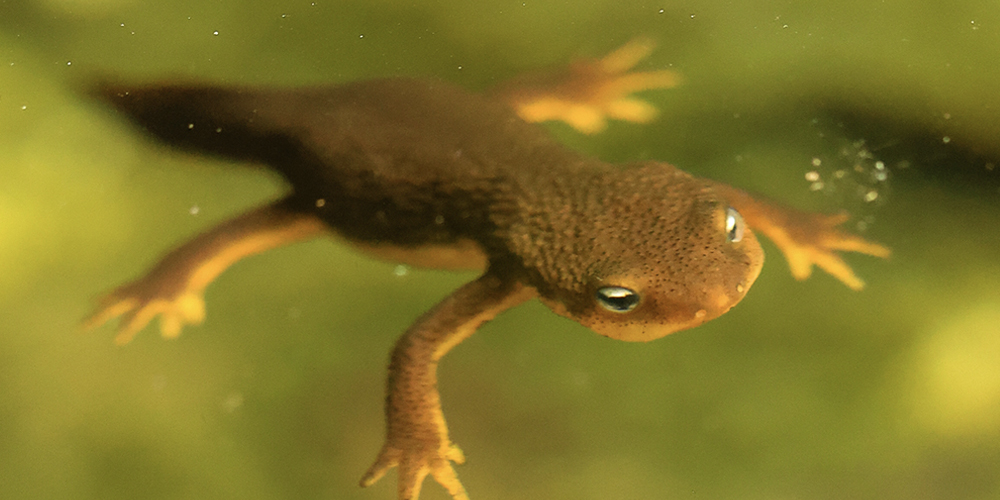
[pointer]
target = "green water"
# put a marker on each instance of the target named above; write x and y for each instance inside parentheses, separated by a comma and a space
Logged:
(804, 391)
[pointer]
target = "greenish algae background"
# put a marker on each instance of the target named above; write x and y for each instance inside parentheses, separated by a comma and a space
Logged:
(804, 391)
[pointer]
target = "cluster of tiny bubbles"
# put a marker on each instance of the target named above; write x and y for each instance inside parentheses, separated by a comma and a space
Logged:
(856, 177)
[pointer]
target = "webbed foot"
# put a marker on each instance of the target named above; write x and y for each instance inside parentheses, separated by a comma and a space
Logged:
(416, 459)
(591, 91)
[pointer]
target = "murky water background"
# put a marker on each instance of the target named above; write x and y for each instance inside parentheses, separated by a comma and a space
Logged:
(804, 391)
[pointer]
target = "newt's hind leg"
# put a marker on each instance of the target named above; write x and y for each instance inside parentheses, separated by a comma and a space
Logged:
(174, 288)
(590, 91)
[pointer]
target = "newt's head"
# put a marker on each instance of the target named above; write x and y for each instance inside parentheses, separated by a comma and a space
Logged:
(660, 252)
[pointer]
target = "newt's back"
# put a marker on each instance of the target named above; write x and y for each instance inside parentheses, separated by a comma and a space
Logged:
(429, 128)
(411, 161)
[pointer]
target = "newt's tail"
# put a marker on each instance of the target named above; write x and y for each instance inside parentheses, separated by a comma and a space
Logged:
(198, 118)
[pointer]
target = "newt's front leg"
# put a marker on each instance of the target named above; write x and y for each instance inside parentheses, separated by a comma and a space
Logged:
(805, 238)
(416, 435)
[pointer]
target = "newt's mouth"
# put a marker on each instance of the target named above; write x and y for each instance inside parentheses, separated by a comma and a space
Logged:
(635, 308)
(654, 318)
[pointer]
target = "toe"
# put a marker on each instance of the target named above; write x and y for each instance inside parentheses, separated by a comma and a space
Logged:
(386, 460)
(411, 478)
(109, 308)
(632, 110)
(445, 475)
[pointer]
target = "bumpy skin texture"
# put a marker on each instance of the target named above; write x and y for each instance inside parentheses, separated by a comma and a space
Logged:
(427, 173)
(409, 163)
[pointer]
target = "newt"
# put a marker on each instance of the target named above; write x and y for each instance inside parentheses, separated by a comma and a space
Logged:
(422, 172)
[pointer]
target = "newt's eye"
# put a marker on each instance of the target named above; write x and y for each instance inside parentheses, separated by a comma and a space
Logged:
(617, 299)
(734, 225)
